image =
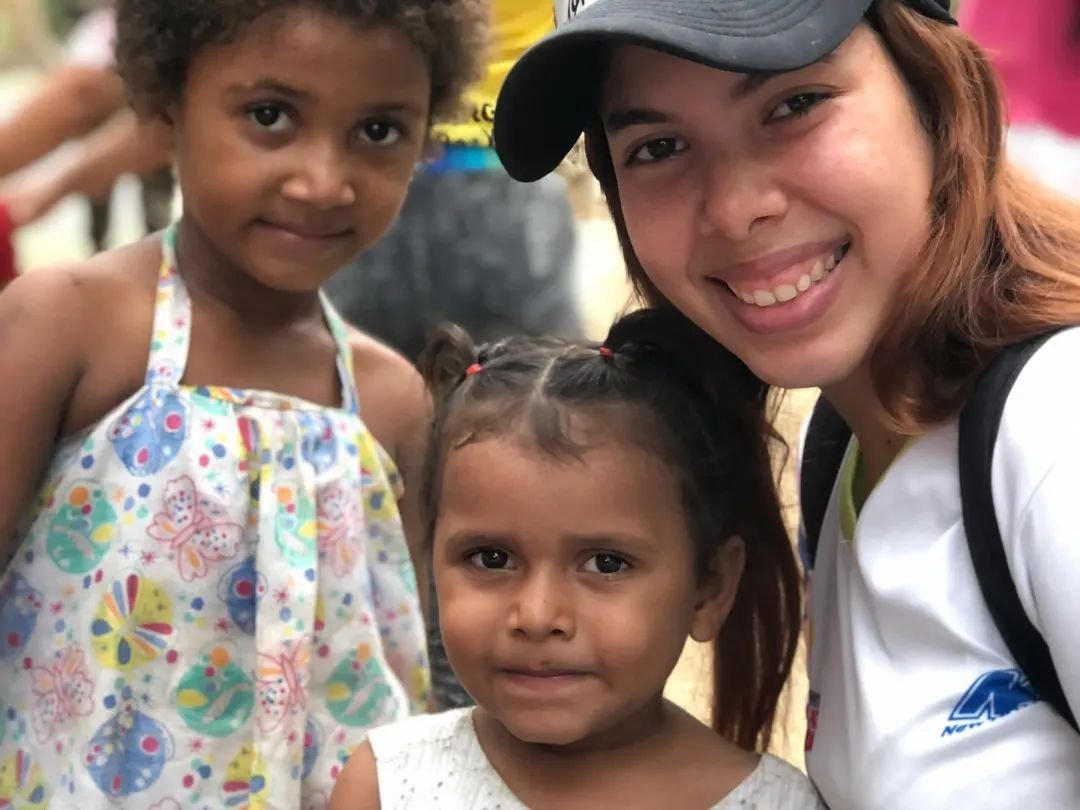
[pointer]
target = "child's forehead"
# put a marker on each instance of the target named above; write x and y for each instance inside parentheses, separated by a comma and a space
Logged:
(312, 53)
(506, 487)
(307, 27)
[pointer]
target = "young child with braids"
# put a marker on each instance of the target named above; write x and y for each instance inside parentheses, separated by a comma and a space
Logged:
(586, 509)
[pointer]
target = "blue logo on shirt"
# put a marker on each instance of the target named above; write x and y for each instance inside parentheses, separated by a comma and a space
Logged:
(993, 696)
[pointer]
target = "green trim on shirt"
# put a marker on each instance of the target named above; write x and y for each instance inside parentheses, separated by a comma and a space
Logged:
(853, 493)
(849, 505)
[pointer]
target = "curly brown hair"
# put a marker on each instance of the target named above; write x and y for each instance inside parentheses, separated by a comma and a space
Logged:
(156, 40)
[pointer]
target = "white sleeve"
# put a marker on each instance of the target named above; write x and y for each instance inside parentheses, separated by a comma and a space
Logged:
(801, 540)
(1036, 488)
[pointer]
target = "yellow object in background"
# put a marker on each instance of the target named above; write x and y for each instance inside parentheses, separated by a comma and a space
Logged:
(515, 25)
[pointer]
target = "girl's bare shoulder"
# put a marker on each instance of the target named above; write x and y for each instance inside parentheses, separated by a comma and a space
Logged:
(101, 309)
(392, 394)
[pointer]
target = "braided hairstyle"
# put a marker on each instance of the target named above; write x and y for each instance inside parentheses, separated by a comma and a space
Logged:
(661, 383)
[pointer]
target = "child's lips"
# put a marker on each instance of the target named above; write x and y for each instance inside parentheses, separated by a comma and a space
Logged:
(544, 673)
(307, 231)
(544, 679)
(304, 242)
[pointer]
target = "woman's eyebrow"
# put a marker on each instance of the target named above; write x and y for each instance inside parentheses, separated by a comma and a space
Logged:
(620, 118)
(754, 81)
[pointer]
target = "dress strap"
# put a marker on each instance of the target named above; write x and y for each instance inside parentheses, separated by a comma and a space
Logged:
(172, 319)
(350, 400)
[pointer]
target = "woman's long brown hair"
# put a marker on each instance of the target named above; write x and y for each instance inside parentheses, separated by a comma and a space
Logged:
(1002, 263)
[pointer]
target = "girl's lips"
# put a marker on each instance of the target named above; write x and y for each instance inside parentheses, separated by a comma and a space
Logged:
(542, 681)
(286, 242)
(305, 232)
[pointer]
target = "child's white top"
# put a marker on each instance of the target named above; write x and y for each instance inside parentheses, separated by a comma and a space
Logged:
(435, 762)
(915, 701)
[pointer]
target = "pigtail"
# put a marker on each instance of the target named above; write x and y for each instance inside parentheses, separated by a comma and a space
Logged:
(448, 355)
(688, 351)
(754, 651)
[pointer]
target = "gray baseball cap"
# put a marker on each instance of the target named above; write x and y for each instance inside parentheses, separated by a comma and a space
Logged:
(550, 94)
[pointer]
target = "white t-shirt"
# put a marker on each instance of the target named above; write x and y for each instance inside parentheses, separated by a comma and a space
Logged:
(915, 700)
(435, 762)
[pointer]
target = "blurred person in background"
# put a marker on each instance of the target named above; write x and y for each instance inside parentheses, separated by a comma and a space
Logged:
(1037, 54)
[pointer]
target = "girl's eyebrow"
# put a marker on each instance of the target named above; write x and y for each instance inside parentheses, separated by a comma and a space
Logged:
(270, 86)
(639, 542)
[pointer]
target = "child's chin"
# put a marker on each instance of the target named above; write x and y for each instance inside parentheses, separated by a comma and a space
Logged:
(551, 730)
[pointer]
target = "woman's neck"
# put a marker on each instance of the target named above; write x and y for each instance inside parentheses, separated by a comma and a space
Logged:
(857, 403)
(215, 283)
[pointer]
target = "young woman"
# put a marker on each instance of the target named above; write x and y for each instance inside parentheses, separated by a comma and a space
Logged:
(821, 186)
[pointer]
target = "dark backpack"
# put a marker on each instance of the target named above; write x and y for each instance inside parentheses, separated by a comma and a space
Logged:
(826, 442)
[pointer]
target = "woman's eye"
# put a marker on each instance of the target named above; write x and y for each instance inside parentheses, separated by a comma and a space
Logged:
(799, 104)
(491, 559)
(656, 150)
(606, 564)
(270, 117)
(381, 133)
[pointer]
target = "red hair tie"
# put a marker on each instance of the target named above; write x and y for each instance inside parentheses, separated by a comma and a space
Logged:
(475, 368)
(606, 353)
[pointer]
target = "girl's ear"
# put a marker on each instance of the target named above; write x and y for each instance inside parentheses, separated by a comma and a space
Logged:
(716, 594)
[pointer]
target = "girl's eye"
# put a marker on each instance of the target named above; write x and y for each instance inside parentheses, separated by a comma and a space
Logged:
(381, 133)
(607, 564)
(490, 559)
(799, 104)
(656, 150)
(270, 117)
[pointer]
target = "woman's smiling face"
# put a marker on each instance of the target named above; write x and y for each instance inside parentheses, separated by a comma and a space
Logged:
(779, 212)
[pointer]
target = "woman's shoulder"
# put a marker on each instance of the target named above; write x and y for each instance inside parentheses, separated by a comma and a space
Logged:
(774, 785)
(1053, 367)
(1039, 417)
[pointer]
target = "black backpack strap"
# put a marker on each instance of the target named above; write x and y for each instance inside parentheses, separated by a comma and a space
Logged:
(979, 423)
(826, 441)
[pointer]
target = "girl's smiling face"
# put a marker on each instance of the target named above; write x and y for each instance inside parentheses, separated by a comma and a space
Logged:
(296, 143)
(779, 212)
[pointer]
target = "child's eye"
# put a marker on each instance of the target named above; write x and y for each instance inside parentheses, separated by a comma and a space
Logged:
(657, 150)
(270, 117)
(796, 105)
(491, 559)
(606, 564)
(380, 133)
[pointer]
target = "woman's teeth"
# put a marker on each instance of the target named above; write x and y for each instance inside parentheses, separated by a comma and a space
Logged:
(782, 293)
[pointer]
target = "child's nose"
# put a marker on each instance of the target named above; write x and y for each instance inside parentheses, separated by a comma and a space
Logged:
(544, 606)
(321, 177)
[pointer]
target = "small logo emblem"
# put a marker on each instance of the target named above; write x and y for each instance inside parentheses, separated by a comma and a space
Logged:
(993, 696)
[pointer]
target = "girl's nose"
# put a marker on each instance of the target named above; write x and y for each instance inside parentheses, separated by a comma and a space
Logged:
(543, 607)
(321, 177)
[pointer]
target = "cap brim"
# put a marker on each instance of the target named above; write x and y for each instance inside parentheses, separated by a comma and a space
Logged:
(551, 93)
